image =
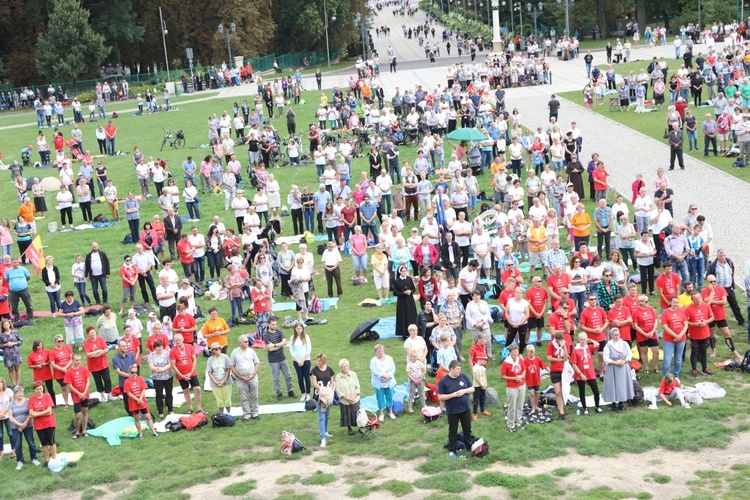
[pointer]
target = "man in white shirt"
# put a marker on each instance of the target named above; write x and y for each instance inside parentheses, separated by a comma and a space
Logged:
(480, 243)
(345, 150)
(331, 259)
(467, 281)
(462, 233)
(384, 184)
(498, 244)
(198, 242)
(166, 294)
(330, 153)
(144, 262)
(430, 228)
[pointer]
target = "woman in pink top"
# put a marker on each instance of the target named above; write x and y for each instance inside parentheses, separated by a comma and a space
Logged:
(205, 173)
(358, 242)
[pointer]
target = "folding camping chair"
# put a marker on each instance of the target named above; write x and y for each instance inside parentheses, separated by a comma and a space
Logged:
(367, 430)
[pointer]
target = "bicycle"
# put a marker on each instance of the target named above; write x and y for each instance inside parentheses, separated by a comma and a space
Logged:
(175, 140)
(301, 148)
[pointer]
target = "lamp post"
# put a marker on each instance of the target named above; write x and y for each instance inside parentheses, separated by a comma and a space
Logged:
(228, 33)
(535, 13)
(519, 7)
(566, 4)
(333, 18)
(496, 23)
(164, 40)
(510, 8)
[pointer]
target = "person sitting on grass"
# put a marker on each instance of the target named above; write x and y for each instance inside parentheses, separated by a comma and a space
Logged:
(669, 389)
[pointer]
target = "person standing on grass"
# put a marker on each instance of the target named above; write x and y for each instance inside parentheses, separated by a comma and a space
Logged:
(219, 373)
(716, 297)
(78, 379)
(20, 425)
(723, 269)
(275, 344)
(557, 355)
(184, 362)
(41, 408)
(583, 364)
(244, 364)
(134, 393)
(513, 371)
(479, 373)
(453, 391)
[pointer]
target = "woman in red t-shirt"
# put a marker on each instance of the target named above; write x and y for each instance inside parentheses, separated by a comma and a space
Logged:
(582, 361)
(513, 371)
(39, 362)
(95, 348)
(135, 390)
(261, 307)
(534, 366)
(674, 325)
(699, 315)
(61, 357)
(41, 407)
(557, 355)
(644, 324)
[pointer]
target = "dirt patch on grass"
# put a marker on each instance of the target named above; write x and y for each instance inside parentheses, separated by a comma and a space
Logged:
(628, 472)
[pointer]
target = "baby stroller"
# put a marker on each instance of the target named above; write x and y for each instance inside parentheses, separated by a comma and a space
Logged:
(412, 135)
(25, 157)
(75, 149)
(475, 160)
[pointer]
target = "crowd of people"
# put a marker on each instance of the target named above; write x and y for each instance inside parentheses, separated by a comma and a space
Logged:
(440, 268)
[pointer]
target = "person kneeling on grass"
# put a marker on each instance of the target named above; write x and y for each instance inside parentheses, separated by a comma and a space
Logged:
(669, 389)
(135, 390)
(582, 361)
(513, 371)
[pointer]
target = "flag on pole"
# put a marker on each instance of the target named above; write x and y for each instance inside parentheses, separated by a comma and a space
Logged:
(440, 212)
(35, 254)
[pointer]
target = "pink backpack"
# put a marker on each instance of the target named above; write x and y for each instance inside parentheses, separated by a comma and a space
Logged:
(431, 413)
(316, 305)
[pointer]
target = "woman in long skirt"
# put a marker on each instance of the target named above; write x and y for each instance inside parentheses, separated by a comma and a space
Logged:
(618, 384)
(347, 385)
(40, 203)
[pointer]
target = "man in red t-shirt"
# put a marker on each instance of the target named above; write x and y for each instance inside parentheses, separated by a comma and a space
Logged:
(674, 326)
(183, 323)
(537, 298)
(699, 317)
(513, 372)
(556, 282)
(595, 322)
(508, 293)
(78, 379)
(717, 298)
(667, 285)
(621, 317)
(557, 355)
(135, 389)
(183, 360)
(562, 320)
(582, 361)
(631, 299)
(644, 324)
(185, 250)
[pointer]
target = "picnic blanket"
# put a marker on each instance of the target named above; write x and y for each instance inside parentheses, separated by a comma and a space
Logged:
(114, 430)
(236, 411)
(546, 337)
(283, 306)
(400, 392)
(386, 328)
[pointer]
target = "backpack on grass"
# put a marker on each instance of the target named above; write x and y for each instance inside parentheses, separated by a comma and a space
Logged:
(222, 420)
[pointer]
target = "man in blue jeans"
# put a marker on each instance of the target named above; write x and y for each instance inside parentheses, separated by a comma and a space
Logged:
(678, 249)
(368, 211)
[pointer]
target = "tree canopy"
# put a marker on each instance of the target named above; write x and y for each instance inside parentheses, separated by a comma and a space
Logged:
(70, 48)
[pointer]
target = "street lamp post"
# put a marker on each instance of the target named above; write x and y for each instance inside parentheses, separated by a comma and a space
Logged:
(164, 40)
(496, 23)
(519, 7)
(228, 34)
(333, 18)
(535, 13)
(566, 4)
(510, 8)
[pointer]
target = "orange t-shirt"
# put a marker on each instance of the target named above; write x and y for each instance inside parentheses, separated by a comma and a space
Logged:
(27, 211)
(582, 219)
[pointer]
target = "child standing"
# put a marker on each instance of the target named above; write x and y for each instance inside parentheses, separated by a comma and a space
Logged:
(514, 373)
(479, 372)
(534, 366)
(582, 361)
(415, 371)
(478, 349)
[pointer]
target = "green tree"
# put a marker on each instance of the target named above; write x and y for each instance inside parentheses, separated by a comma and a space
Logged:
(70, 48)
(117, 22)
(718, 11)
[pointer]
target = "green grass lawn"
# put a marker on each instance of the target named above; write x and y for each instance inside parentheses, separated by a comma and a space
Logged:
(215, 453)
